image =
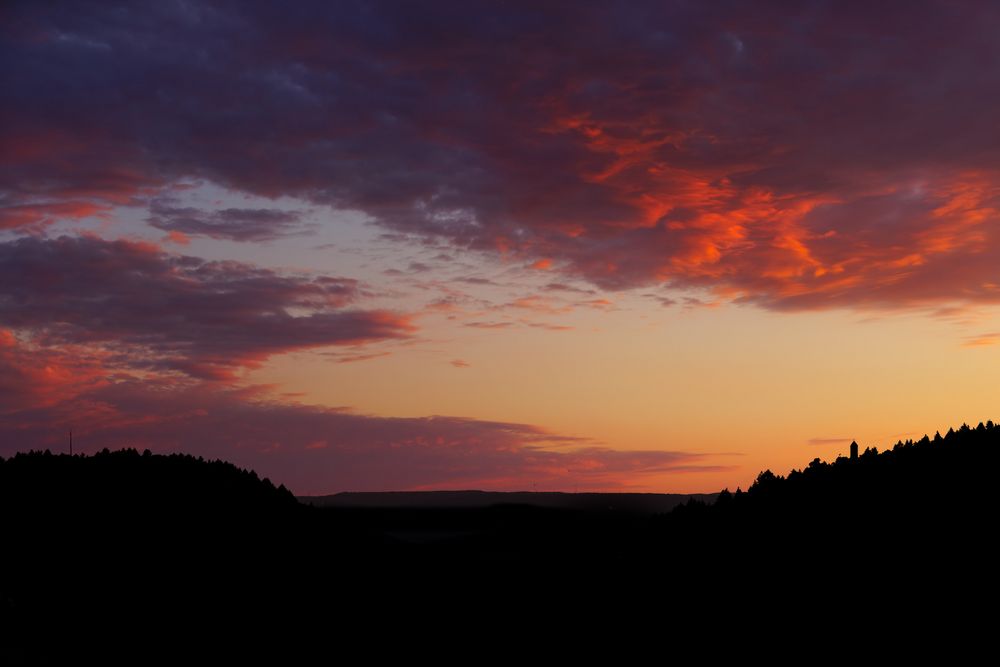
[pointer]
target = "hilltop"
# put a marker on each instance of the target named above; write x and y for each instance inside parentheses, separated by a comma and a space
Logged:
(126, 481)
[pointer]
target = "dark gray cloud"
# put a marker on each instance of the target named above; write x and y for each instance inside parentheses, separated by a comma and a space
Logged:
(155, 310)
(234, 224)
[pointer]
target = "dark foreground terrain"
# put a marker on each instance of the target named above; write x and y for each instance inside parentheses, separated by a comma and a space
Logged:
(133, 557)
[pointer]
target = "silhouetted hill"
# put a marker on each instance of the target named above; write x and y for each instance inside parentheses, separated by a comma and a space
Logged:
(642, 503)
(103, 553)
(127, 482)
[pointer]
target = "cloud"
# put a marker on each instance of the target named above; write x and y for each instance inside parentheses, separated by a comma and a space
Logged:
(827, 441)
(489, 325)
(33, 377)
(982, 340)
(322, 450)
(234, 224)
(477, 280)
(818, 156)
(538, 304)
(460, 363)
(561, 287)
(547, 326)
(41, 214)
(172, 312)
(351, 358)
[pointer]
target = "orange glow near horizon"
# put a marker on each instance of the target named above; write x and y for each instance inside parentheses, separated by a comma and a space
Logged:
(748, 389)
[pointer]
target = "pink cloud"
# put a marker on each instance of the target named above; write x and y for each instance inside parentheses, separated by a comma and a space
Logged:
(322, 450)
(46, 392)
(982, 340)
(348, 358)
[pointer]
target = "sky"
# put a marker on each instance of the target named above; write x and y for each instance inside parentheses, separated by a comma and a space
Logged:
(570, 246)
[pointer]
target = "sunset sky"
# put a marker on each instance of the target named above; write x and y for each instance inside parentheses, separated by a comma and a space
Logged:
(638, 246)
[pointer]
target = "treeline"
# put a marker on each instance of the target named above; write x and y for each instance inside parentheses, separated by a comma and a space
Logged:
(929, 503)
(911, 476)
(127, 481)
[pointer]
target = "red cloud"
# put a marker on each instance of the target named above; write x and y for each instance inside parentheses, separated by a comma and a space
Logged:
(44, 213)
(32, 377)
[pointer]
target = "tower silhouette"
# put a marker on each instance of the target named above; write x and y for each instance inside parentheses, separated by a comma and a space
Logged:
(854, 450)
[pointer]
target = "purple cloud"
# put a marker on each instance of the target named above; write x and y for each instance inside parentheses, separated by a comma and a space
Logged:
(815, 156)
(234, 224)
(160, 311)
(321, 450)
